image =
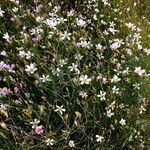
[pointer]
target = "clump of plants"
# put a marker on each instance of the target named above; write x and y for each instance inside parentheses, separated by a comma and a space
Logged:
(73, 76)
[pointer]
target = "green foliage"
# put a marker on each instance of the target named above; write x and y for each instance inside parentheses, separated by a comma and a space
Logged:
(74, 75)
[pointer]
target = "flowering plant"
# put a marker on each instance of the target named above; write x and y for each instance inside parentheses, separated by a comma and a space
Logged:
(74, 75)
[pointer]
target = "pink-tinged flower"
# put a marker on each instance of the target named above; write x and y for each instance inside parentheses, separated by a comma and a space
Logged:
(7, 67)
(38, 37)
(39, 129)
(11, 69)
(139, 71)
(16, 89)
(5, 91)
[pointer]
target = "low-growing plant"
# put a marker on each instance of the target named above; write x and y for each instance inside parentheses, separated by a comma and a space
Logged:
(74, 75)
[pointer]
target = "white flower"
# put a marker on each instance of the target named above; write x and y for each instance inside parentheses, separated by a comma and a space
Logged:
(112, 127)
(126, 72)
(34, 31)
(39, 19)
(105, 32)
(112, 106)
(52, 23)
(78, 57)
(57, 71)
(99, 138)
(147, 51)
(103, 22)
(50, 35)
(71, 143)
(83, 94)
(30, 68)
(112, 24)
(115, 79)
(60, 109)
(136, 86)
(129, 52)
(80, 22)
(50, 142)
(15, 9)
(122, 121)
(112, 30)
(105, 2)
(65, 35)
(139, 71)
(129, 25)
(116, 44)
(109, 113)
(3, 107)
(22, 54)
(84, 80)
(63, 62)
(6, 37)
(3, 53)
(1, 12)
(142, 109)
(16, 1)
(115, 90)
(74, 68)
(84, 44)
(102, 95)
(139, 47)
(71, 13)
(29, 55)
(44, 78)
(2, 65)
(94, 17)
(34, 123)
(99, 46)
